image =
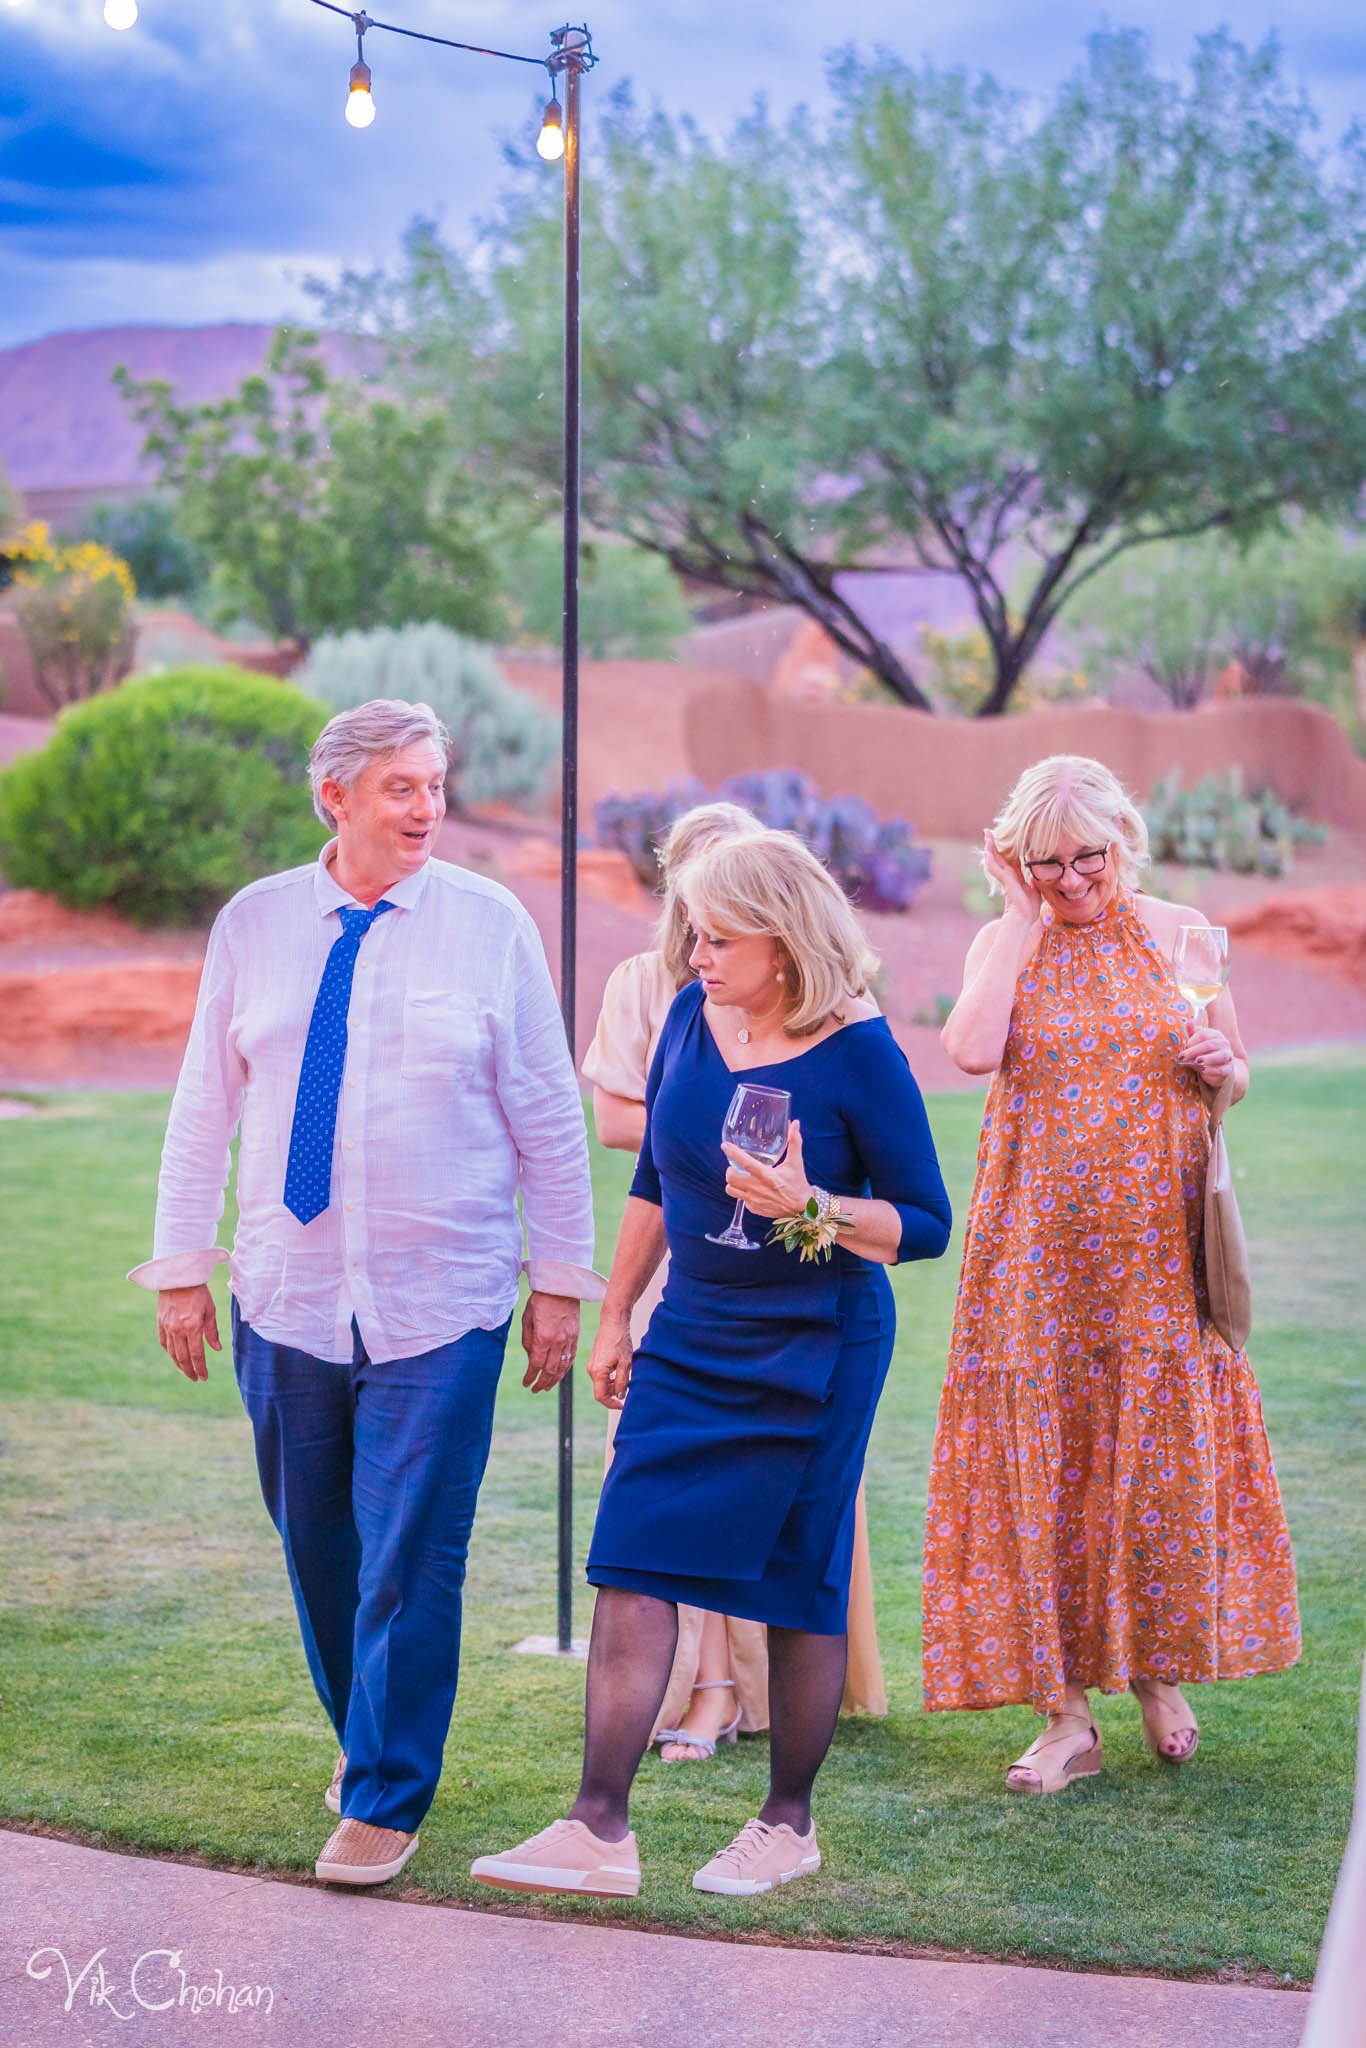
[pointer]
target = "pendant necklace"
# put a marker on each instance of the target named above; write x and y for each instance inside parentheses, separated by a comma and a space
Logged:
(743, 1034)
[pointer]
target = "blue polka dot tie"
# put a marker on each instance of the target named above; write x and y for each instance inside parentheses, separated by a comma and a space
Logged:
(308, 1175)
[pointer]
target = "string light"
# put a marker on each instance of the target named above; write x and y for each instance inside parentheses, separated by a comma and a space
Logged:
(120, 13)
(360, 105)
(572, 47)
(550, 141)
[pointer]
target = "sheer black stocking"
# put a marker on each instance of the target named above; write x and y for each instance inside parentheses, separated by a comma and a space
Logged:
(805, 1688)
(630, 1656)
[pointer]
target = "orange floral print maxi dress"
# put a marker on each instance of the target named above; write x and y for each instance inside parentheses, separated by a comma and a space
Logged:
(1103, 1504)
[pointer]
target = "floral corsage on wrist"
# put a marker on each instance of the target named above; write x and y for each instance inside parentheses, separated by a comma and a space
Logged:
(814, 1231)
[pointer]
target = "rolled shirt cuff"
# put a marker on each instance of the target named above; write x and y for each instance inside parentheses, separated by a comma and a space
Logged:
(179, 1269)
(555, 1276)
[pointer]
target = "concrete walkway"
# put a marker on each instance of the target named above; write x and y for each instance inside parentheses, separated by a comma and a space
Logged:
(129, 1946)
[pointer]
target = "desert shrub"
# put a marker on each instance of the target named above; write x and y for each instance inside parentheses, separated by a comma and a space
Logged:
(875, 861)
(1281, 615)
(506, 745)
(638, 825)
(1218, 823)
(74, 605)
(165, 796)
(144, 533)
(631, 604)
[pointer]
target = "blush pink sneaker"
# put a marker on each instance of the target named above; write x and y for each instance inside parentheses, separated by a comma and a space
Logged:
(759, 1858)
(565, 1857)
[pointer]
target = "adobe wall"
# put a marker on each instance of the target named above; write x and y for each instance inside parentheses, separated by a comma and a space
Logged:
(948, 775)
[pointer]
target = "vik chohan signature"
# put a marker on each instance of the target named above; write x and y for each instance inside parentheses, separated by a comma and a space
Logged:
(156, 1981)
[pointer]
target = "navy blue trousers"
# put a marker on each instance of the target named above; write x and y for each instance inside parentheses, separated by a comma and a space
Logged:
(371, 1474)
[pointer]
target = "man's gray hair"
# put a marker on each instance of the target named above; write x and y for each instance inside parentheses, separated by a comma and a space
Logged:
(369, 732)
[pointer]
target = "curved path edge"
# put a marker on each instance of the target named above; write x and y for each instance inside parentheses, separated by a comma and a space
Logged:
(98, 1948)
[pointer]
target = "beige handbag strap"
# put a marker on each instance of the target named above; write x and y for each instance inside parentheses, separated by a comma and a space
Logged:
(1217, 1101)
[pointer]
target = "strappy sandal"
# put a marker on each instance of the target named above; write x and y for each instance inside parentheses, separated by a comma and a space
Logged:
(1041, 1771)
(1185, 1740)
(705, 1743)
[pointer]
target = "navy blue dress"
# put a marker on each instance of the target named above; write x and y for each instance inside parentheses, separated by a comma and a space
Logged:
(741, 1444)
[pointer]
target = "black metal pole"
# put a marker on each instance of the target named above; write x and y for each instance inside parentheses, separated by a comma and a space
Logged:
(569, 768)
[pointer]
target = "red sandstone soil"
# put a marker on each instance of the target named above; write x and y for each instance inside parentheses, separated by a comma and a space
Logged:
(1318, 928)
(88, 1001)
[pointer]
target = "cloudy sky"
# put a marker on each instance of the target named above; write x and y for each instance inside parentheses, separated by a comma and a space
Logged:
(198, 167)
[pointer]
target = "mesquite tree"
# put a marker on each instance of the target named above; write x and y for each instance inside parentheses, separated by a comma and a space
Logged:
(939, 331)
(1142, 317)
(321, 507)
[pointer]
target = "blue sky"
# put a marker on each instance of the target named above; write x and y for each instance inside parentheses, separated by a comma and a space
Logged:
(198, 167)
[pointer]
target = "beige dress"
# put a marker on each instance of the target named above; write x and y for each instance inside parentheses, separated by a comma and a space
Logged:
(635, 1003)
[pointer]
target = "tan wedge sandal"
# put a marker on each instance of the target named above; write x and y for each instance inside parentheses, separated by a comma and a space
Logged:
(1169, 1745)
(1041, 1770)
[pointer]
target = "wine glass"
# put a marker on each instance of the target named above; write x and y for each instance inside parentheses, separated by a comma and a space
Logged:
(1200, 964)
(757, 1122)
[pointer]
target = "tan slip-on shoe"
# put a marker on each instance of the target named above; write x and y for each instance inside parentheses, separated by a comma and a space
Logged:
(565, 1857)
(358, 1853)
(332, 1796)
(759, 1858)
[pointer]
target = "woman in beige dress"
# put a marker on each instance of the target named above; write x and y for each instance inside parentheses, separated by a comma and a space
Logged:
(719, 1683)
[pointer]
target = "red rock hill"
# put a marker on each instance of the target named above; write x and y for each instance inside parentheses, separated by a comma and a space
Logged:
(66, 437)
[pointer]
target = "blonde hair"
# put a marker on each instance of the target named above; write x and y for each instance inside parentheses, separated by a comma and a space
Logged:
(690, 835)
(769, 885)
(1071, 796)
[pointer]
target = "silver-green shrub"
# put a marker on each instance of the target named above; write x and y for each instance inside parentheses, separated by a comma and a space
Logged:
(506, 745)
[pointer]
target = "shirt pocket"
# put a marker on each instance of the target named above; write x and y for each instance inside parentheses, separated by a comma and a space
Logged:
(445, 1037)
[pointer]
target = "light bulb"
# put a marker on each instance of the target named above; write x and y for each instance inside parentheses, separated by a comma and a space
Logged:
(550, 141)
(120, 13)
(360, 107)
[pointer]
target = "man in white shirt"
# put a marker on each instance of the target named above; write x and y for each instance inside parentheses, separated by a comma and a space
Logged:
(383, 1028)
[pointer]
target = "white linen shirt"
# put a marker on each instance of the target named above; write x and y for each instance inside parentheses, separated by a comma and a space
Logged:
(458, 1094)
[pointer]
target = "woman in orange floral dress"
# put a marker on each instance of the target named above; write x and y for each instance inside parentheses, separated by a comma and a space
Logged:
(1103, 1506)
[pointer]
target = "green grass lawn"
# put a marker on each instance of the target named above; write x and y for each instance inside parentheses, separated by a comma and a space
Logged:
(154, 1693)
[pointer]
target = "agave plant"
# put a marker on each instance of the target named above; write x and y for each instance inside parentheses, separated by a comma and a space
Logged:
(1220, 823)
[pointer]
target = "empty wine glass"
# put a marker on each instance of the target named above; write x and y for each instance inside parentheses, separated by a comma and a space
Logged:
(1200, 964)
(757, 1122)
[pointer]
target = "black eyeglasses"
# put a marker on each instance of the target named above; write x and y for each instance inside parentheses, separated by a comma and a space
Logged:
(1085, 864)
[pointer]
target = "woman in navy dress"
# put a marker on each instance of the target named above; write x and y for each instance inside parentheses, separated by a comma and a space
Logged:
(752, 1397)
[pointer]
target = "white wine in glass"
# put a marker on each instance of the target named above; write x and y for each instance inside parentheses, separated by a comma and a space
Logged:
(757, 1122)
(1200, 964)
